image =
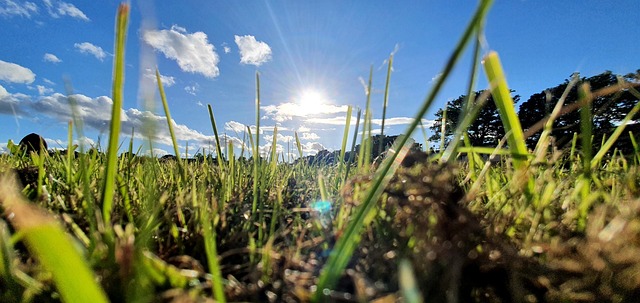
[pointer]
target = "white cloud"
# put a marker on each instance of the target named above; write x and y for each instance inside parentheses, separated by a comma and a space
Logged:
(15, 73)
(193, 52)
(303, 129)
(47, 81)
(88, 48)
(312, 148)
(286, 111)
(252, 51)
(60, 9)
(279, 138)
(226, 49)
(309, 136)
(199, 103)
(193, 89)
(51, 58)
(167, 81)
(9, 8)
(3, 92)
(236, 127)
(42, 90)
(12, 104)
(400, 121)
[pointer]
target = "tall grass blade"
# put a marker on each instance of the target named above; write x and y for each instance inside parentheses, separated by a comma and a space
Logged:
(167, 113)
(71, 273)
(256, 150)
(384, 104)
(504, 102)
(215, 133)
(348, 242)
(108, 188)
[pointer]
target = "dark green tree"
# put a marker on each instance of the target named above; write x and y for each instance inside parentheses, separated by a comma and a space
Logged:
(607, 110)
(486, 130)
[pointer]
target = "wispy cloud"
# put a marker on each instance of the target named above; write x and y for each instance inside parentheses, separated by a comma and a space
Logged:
(309, 136)
(88, 48)
(286, 111)
(192, 89)
(51, 58)
(47, 81)
(9, 8)
(235, 126)
(192, 52)
(15, 73)
(42, 90)
(167, 81)
(252, 51)
(60, 9)
(341, 120)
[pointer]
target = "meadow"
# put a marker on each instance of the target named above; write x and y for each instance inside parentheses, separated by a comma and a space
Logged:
(506, 224)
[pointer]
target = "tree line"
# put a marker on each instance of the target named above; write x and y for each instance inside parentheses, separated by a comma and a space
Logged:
(607, 112)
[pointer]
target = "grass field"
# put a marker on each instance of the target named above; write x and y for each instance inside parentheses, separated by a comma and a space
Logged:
(507, 224)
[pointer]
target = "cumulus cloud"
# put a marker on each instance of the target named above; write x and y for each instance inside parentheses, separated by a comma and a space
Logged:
(192, 52)
(9, 8)
(61, 9)
(286, 111)
(226, 49)
(51, 58)
(279, 138)
(96, 113)
(88, 48)
(252, 51)
(15, 73)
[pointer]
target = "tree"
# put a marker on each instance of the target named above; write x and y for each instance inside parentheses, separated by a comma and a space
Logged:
(607, 110)
(486, 129)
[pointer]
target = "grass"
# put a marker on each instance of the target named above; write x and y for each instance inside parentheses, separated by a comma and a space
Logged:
(531, 226)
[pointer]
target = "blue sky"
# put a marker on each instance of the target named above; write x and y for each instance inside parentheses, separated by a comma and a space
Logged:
(312, 56)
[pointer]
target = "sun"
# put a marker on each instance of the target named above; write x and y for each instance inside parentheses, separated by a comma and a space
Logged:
(311, 101)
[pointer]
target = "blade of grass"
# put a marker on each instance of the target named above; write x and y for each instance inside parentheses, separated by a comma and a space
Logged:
(384, 104)
(108, 188)
(71, 273)
(346, 244)
(256, 149)
(167, 113)
(215, 133)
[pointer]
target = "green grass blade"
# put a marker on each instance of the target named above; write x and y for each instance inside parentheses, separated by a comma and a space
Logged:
(256, 150)
(616, 133)
(71, 273)
(504, 102)
(108, 188)
(298, 145)
(167, 113)
(385, 103)
(345, 135)
(348, 242)
(215, 133)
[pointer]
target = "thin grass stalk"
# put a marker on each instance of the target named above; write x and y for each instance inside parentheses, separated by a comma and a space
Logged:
(347, 243)
(274, 150)
(616, 133)
(353, 147)
(345, 135)
(384, 104)
(443, 128)
(108, 188)
(256, 149)
(468, 115)
(365, 126)
(586, 139)
(167, 113)
(298, 145)
(70, 153)
(211, 249)
(215, 133)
